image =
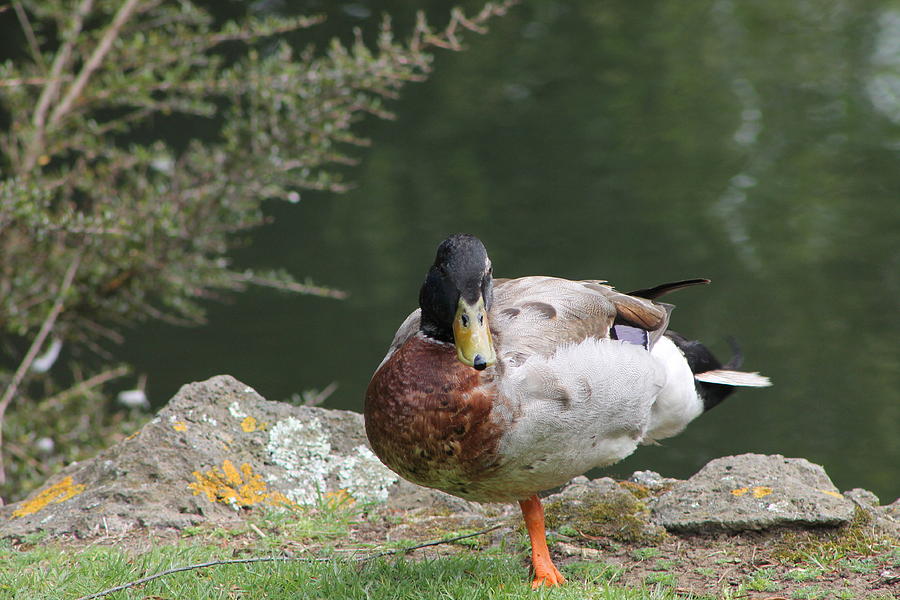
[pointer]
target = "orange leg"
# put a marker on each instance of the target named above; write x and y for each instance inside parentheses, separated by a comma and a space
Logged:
(545, 572)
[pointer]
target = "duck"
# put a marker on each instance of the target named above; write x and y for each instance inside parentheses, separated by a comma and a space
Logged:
(495, 390)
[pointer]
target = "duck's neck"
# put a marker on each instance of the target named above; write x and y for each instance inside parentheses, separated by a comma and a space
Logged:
(435, 331)
(438, 300)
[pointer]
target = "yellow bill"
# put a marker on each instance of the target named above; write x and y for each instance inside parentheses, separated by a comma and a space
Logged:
(472, 335)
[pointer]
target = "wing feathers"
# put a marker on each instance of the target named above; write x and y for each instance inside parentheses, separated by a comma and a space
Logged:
(736, 378)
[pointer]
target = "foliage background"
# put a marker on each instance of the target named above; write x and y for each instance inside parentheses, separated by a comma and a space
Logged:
(139, 137)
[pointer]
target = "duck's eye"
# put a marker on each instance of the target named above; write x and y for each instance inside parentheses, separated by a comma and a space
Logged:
(481, 319)
(465, 320)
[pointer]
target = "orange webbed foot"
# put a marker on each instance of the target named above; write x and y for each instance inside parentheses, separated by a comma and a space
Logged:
(545, 572)
(548, 575)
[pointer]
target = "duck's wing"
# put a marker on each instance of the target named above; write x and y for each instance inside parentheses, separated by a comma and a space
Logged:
(537, 315)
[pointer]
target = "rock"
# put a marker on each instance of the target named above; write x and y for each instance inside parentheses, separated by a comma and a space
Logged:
(218, 449)
(862, 498)
(652, 480)
(406, 496)
(753, 492)
(600, 508)
(215, 449)
(882, 520)
(893, 510)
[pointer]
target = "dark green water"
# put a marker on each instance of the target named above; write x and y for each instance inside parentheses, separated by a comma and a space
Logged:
(754, 143)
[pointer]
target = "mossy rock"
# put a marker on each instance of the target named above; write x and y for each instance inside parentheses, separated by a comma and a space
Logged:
(859, 537)
(601, 509)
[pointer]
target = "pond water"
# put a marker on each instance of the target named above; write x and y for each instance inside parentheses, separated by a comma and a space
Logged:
(756, 144)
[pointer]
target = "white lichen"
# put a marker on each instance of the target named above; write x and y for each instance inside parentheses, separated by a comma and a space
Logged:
(293, 443)
(363, 476)
(235, 409)
(304, 452)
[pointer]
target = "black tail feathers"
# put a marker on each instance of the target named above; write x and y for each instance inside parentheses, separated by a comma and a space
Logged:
(701, 360)
(665, 288)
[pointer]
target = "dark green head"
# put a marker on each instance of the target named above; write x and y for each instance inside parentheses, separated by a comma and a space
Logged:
(456, 297)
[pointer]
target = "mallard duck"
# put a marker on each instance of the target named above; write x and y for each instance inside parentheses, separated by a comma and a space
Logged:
(497, 389)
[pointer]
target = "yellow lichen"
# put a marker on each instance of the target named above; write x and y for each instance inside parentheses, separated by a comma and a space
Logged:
(232, 477)
(179, 426)
(238, 487)
(758, 491)
(761, 491)
(832, 493)
(339, 498)
(56, 493)
(248, 424)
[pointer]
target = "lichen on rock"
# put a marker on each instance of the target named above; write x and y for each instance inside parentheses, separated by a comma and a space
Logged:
(753, 492)
(601, 508)
(237, 488)
(216, 446)
(364, 477)
(238, 450)
(304, 451)
(58, 492)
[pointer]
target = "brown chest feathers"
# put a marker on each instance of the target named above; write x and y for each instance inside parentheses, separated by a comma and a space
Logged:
(428, 417)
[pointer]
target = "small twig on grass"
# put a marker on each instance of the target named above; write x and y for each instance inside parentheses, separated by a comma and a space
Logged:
(259, 559)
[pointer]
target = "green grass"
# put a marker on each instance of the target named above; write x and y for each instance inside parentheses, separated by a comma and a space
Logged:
(860, 565)
(645, 553)
(669, 579)
(58, 573)
(762, 580)
(39, 570)
(809, 593)
(805, 574)
(470, 568)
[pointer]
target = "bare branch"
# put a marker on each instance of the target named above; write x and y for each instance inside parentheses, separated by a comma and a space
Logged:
(63, 56)
(22, 16)
(289, 286)
(35, 348)
(87, 384)
(20, 81)
(322, 396)
(423, 36)
(243, 36)
(100, 52)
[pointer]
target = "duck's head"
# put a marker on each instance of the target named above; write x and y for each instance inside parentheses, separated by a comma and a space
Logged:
(456, 297)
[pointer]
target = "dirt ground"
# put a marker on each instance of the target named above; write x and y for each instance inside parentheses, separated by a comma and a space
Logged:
(848, 563)
(808, 564)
